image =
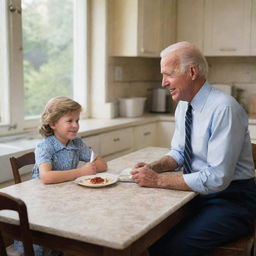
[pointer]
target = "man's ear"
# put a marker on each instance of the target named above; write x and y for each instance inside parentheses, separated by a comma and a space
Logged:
(194, 72)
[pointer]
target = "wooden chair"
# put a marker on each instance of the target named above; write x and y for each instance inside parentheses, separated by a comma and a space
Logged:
(244, 246)
(8, 202)
(17, 163)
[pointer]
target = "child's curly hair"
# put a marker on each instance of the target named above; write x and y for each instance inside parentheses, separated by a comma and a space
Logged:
(54, 110)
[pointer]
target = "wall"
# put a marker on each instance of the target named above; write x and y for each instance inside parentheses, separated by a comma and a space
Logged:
(137, 78)
(140, 75)
(238, 71)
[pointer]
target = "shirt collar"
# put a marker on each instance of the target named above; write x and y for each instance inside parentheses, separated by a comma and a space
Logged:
(59, 146)
(200, 98)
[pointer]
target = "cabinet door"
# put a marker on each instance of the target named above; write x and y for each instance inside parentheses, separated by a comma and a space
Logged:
(140, 27)
(253, 32)
(165, 131)
(227, 27)
(190, 22)
(168, 27)
(123, 27)
(149, 27)
(115, 141)
(144, 136)
(93, 142)
(157, 22)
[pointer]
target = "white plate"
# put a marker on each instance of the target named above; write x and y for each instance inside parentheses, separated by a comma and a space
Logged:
(110, 177)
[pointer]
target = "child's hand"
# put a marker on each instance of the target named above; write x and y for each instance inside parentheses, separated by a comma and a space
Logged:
(88, 169)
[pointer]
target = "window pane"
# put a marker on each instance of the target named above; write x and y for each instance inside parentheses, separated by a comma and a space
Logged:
(48, 51)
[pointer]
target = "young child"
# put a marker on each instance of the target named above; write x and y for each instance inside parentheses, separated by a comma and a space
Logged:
(58, 154)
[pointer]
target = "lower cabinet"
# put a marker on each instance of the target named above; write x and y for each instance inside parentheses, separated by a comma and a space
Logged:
(144, 136)
(93, 142)
(114, 142)
(164, 133)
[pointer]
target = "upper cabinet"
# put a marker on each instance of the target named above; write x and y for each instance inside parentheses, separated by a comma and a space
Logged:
(141, 27)
(190, 22)
(253, 32)
(227, 27)
(218, 27)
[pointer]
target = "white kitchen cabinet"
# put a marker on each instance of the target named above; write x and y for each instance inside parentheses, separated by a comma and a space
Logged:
(141, 27)
(164, 133)
(116, 141)
(144, 136)
(227, 27)
(190, 22)
(93, 142)
(253, 32)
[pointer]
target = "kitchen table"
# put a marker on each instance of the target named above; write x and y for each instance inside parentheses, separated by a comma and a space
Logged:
(120, 219)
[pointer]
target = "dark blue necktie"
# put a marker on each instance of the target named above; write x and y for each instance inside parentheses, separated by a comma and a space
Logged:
(188, 148)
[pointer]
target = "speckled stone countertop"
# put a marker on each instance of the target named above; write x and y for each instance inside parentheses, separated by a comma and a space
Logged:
(113, 216)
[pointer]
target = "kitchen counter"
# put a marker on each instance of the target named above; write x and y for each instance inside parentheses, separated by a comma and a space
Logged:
(93, 126)
(88, 127)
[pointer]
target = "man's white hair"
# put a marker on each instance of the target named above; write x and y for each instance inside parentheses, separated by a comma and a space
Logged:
(188, 55)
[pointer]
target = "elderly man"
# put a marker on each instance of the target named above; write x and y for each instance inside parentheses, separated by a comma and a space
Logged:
(212, 144)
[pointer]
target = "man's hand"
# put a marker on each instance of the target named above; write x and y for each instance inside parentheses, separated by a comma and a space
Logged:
(140, 164)
(144, 176)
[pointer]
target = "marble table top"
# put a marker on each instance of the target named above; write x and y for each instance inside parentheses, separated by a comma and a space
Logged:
(113, 216)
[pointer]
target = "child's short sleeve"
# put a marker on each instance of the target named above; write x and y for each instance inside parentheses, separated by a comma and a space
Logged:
(43, 153)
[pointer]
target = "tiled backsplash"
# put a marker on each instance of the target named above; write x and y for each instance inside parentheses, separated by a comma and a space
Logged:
(237, 71)
(139, 75)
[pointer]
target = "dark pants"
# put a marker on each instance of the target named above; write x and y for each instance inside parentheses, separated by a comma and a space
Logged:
(218, 218)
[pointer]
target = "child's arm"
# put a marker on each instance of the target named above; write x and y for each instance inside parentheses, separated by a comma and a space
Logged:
(48, 175)
(101, 164)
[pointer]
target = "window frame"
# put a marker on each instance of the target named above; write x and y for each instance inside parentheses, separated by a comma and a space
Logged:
(11, 66)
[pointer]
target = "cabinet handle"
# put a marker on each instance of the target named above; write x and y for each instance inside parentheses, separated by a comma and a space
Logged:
(228, 49)
(116, 139)
(147, 133)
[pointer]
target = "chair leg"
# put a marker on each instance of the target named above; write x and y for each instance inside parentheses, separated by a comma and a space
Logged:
(2, 246)
(145, 253)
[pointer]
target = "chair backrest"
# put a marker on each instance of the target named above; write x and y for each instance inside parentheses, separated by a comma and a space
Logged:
(254, 154)
(8, 202)
(18, 162)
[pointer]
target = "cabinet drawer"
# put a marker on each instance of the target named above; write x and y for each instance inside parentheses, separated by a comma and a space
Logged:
(112, 142)
(144, 136)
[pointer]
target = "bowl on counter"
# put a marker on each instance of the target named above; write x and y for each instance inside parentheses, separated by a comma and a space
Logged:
(132, 107)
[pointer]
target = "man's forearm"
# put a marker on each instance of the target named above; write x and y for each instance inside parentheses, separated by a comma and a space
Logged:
(166, 163)
(172, 181)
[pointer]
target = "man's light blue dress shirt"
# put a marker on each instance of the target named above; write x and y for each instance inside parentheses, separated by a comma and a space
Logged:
(220, 141)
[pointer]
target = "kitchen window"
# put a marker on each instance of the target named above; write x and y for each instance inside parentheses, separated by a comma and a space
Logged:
(43, 53)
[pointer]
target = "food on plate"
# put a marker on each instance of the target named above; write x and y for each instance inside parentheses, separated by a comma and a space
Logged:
(97, 180)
